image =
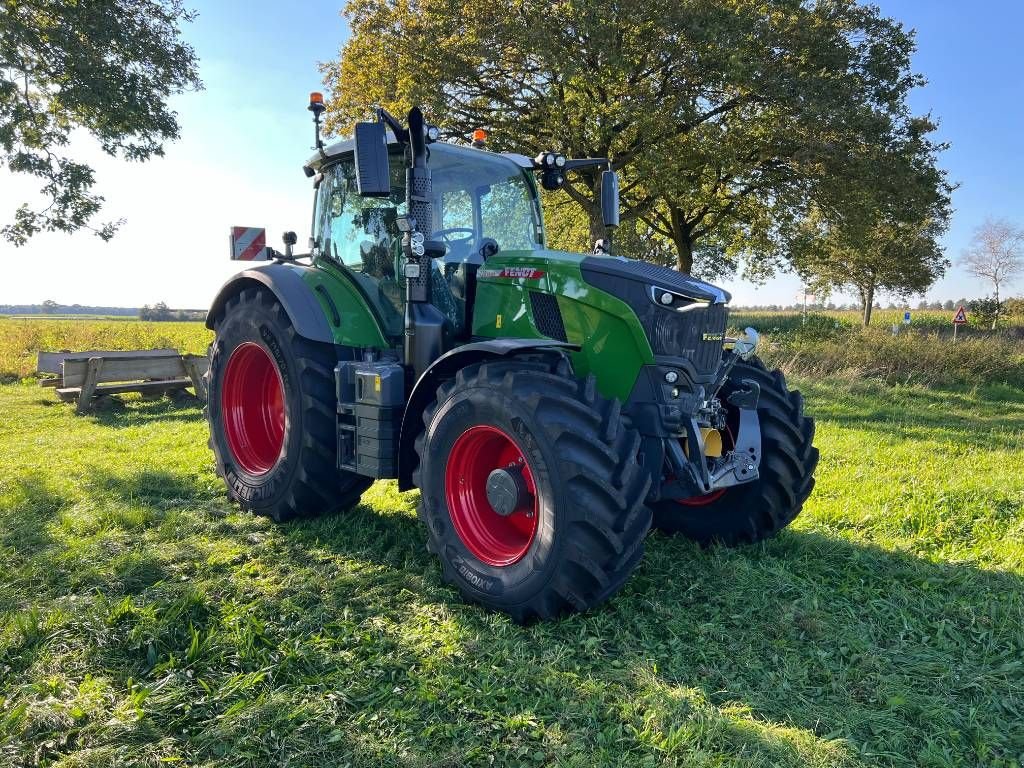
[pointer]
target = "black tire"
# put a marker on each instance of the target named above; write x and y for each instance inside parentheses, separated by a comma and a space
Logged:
(304, 480)
(590, 521)
(758, 510)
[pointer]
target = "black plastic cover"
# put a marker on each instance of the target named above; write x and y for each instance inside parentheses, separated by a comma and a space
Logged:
(373, 170)
(621, 268)
(689, 335)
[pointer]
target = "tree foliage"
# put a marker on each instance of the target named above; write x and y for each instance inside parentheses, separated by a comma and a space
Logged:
(885, 235)
(107, 67)
(996, 255)
(726, 118)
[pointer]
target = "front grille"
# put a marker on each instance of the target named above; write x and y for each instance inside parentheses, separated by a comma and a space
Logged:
(697, 335)
(547, 316)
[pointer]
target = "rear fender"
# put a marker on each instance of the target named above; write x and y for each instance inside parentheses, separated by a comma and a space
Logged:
(323, 306)
(445, 367)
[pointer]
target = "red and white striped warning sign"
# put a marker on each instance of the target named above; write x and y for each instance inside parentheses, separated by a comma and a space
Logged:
(248, 244)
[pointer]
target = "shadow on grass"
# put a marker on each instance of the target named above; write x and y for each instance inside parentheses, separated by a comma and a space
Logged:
(130, 411)
(334, 638)
(898, 657)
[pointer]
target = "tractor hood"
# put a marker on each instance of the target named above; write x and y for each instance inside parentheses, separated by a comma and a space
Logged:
(683, 318)
(611, 268)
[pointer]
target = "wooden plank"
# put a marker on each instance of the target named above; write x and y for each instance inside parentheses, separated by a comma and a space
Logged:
(50, 362)
(197, 367)
(68, 394)
(125, 369)
(149, 387)
(93, 368)
(51, 382)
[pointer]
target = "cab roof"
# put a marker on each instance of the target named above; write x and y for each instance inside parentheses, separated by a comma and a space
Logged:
(337, 149)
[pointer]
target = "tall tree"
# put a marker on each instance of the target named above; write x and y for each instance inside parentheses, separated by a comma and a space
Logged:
(723, 116)
(996, 254)
(879, 228)
(106, 66)
(897, 257)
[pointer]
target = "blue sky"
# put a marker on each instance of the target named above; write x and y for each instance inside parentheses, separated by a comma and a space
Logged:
(247, 134)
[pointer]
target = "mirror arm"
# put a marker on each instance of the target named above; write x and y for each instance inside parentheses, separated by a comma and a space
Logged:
(392, 122)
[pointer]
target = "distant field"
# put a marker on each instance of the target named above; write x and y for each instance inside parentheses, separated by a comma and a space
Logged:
(68, 317)
(826, 344)
(932, 320)
(21, 339)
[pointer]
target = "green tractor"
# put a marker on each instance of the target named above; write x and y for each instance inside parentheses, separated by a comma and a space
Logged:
(550, 407)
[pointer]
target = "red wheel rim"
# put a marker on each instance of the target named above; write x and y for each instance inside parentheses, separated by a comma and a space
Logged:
(494, 539)
(702, 501)
(252, 404)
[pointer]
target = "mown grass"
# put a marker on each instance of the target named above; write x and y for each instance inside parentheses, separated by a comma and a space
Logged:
(145, 621)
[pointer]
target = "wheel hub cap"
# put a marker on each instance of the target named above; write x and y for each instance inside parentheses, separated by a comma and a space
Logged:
(491, 495)
(506, 490)
(252, 404)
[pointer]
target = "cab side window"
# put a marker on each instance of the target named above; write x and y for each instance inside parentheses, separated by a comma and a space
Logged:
(361, 232)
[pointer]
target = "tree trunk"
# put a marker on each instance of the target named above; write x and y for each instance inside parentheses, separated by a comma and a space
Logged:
(867, 295)
(598, 231)
(995, 317)
(682, 237)
(684, 254)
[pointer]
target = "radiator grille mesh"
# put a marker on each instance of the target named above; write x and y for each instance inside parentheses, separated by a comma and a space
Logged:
(547, 316)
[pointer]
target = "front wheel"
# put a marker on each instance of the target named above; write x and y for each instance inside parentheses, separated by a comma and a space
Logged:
(271, 408)
(757, 510)
(530, 489)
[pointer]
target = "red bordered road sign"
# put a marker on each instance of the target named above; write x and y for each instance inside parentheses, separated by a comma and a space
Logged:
(960, 318)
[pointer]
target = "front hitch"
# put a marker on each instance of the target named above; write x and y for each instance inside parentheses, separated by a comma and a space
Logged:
(692, 475)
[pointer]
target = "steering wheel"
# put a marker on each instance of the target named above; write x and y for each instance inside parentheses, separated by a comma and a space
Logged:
(444, 235)
(458, 247)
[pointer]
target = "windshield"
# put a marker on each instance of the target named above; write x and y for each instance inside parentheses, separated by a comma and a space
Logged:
(480, 196)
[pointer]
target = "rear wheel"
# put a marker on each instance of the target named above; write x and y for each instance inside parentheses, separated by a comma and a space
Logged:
(272, 413)
(760, 509)
(531, 491)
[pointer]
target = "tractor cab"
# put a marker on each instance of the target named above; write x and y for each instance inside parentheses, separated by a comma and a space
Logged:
(482, 203)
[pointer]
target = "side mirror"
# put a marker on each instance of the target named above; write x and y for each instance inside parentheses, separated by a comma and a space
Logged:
(610, 198)
(373, 171)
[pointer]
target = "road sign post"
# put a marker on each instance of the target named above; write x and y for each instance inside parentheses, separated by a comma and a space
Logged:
(960, 318)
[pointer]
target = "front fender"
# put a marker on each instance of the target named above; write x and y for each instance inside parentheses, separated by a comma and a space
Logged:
(446, 367)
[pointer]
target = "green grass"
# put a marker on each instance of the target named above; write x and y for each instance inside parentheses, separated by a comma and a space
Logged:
(145, 621)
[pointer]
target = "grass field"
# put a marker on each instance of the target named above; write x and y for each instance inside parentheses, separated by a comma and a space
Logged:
(145, 621)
